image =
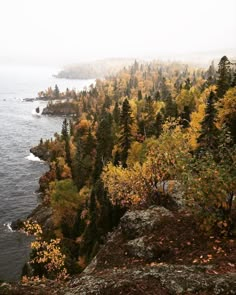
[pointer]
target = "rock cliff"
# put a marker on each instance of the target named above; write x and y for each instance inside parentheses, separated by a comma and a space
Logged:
(143, 256)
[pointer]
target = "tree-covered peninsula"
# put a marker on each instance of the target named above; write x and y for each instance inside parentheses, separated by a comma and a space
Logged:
(148, 154)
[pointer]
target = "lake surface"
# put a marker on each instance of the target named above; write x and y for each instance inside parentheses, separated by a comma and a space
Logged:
(20, 129)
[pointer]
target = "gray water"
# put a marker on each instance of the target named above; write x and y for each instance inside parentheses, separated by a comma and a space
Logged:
(20, 129)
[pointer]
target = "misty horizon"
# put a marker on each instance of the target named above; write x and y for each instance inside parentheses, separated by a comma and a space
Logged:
(63, 32)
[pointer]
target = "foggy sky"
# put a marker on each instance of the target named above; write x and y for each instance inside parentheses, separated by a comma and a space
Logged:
(66, 31)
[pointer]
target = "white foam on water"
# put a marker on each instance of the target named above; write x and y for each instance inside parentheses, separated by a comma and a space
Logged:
(8, 226)
(33, 158)
(35, 114)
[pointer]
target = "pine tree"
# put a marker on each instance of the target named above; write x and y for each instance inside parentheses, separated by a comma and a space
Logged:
(224, 77)
(207, 139)
(126, 137)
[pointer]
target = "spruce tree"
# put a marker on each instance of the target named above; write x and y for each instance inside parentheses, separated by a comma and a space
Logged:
(126, 121)
(233, 82)
(116, 113)
(56, 92)
(211, 74)
(207, 139)
(66, 138)
(64, 130)
(158, 124)
(224, 77)
(149, 119)
(170, 108)
(140, 96)
(188, 84)
(104, 143)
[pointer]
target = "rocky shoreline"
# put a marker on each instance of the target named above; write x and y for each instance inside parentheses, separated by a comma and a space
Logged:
(42, 214)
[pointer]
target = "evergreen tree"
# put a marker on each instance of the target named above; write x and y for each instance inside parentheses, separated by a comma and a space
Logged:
(170, 108)
(158, 124)
(116, 161)
(140, 96)
(188, 84)
(56, 92)
(224, 77)
(207, 139)
(64, 130)
(165, 93)
(211, 75)
(89, 245)
(233, 82)
(126, 137)
(84, 158)
(104, 143)
(116, 113)
(78, 167)
(149, 120)
(185, 117)
(90, 143)
(157, 96)
(107, 102)
(71, 128)
(66, 138)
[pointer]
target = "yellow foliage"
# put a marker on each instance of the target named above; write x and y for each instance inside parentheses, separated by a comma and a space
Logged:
(227, 106)
(136, 153)
(195, 124)
(47, 254)
(138, 183)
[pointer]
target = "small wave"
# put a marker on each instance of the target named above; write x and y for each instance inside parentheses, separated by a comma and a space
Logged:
(36, 114)
(33, 158)
(8, 226)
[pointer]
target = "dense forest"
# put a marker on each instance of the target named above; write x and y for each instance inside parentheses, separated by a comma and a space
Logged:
(132, 138)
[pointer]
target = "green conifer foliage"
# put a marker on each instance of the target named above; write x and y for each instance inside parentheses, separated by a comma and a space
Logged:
(56, 92)
(126, 121)
(116, 113)
(104, 143)
(66, 138)
(224, 76)
(207, 139)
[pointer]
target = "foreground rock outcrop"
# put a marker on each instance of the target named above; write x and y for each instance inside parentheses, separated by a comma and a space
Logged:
(154, 279)
(153, 251)
(137, 260)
